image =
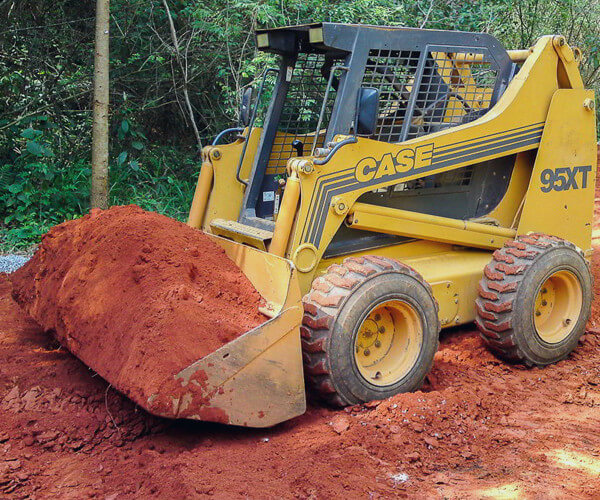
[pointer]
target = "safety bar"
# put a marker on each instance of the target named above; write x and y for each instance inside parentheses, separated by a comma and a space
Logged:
(514, 55)
(251, 124)
(223, 133)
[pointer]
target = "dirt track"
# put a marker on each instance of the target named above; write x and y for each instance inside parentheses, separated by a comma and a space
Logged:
(480, 428)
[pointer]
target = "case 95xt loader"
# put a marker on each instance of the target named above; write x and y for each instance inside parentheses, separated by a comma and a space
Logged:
(400, 181)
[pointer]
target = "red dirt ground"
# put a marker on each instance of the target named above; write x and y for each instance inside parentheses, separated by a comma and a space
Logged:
(160, 292)
(479, 429)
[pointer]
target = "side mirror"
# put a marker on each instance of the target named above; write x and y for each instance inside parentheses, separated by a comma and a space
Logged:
(367, 110)
(245, 106)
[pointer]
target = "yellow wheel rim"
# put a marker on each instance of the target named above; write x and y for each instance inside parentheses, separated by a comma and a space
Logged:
(388, 342)
(557, 306)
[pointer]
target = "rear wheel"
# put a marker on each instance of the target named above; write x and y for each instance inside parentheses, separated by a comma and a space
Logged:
(370, 331)
(534, 299)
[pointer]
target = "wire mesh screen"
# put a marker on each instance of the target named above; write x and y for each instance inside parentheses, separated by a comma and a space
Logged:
(455, 88)
(392, 73)
(421, 95)
(301, 110)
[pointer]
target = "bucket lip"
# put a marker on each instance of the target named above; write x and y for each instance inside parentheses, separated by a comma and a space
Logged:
(228, 367)
(290, 264)
(290, 272)
(237, 340)
(219, 354)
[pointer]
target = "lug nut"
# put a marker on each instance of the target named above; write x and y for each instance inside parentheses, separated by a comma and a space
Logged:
(377, 343)
(544, 290)
(377, 317)
(381, 329)
(367, 352)
(537, 313)
(567, 321)
(544, 302)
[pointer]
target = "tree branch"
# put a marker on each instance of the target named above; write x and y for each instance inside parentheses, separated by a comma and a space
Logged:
(182, 67)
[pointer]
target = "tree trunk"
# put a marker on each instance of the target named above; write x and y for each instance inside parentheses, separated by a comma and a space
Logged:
(99, 192)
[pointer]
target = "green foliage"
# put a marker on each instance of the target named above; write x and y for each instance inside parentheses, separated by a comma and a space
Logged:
(38, 191)
(46, 69)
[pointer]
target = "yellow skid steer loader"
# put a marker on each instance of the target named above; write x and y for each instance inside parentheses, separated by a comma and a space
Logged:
(389, 182)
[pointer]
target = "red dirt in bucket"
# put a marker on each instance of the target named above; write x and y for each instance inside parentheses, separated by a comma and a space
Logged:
(136, 296)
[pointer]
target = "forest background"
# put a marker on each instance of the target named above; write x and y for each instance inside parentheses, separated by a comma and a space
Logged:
(46, 70)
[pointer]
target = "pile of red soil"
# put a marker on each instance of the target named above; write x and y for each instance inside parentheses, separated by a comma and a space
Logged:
(136, 296)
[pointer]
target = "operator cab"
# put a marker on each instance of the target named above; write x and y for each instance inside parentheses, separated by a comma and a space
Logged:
(406, 82)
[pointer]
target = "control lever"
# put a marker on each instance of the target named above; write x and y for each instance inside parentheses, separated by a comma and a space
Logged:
(299, 147)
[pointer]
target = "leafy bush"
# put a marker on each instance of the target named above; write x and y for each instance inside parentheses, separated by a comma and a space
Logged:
(41, 190)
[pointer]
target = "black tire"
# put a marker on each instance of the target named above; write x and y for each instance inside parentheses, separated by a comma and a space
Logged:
(507, 307)
(334, 311)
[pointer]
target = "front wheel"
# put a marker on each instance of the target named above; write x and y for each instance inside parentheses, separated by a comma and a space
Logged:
(370, 330)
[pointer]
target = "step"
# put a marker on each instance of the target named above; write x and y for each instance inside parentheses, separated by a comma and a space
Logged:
(241, 233)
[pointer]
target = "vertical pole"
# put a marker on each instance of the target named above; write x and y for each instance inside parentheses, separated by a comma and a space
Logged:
(99, 189)
(287, 214)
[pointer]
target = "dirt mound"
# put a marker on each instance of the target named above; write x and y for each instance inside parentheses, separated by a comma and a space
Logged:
(137, 287)
(50, 403)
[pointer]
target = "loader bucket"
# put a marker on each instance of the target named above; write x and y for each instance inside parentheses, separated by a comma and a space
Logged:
(257, 379)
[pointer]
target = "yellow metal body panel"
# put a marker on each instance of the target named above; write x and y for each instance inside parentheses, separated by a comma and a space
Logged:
(509, 208)
(462, 268)
(227, 193)
(560, 198)
(453, 273)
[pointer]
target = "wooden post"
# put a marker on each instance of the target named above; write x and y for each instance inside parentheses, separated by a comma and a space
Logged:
(99, 189)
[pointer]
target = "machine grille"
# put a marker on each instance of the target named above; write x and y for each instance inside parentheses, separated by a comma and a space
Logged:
(422, 93)
(392, 73)
(301, 109)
